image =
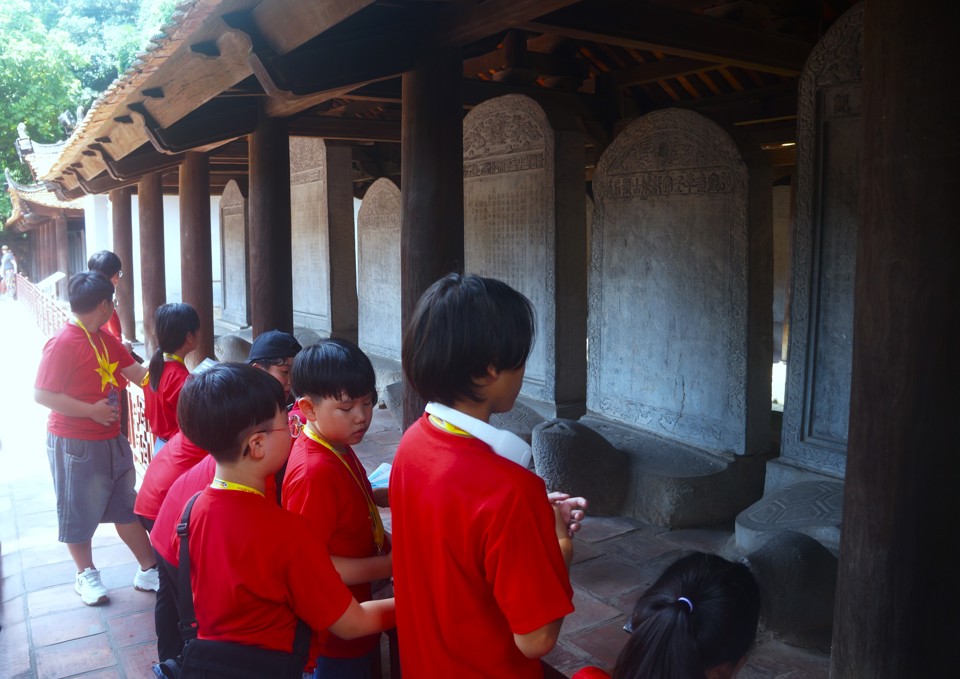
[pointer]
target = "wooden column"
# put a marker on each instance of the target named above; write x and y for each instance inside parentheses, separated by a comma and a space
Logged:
(61, 252)
(153, 276)
(196, 266)
(271, 282)
(898, 592)
(431, 194)
(122, 218)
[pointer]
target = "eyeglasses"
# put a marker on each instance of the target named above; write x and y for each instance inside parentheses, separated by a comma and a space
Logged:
(294, 427)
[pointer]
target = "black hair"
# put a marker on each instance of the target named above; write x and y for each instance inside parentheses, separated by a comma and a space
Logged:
(221, 406)
(105, 262)
(461, 326)
(87, 289)
(674, 639)
(332, 367)
(173, 323)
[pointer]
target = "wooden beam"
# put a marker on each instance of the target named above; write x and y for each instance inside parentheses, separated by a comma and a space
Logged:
(350, 129)
(658, 70)
(460, 25)
(217, 121)
(657, 29)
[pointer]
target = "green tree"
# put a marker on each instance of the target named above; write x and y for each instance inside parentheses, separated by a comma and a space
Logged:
(56, 55)
(37, 82)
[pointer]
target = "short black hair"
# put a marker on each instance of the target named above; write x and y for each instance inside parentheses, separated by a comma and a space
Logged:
(461, 326)
(332, 367)
(87, 289)
(105, 262)
(223, 405)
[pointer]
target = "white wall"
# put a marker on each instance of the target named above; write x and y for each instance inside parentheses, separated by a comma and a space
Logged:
(99, 236)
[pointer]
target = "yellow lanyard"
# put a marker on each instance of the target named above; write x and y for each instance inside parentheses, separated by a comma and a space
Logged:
(220, 484)
(375, 520)
(173, 357)
(105, 368)
(446, 426)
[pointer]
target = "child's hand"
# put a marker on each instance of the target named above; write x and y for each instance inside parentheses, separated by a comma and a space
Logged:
(104, 413)
(569, 511)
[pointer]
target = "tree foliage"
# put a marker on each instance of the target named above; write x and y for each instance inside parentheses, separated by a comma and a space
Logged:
(56, 55)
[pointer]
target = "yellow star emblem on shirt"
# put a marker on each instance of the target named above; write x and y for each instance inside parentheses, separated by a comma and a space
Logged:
(106, 370)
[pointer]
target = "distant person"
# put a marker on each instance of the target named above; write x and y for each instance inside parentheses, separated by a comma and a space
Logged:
(108, 263)
(91, 463)
(326, 483)
(481, 552)
(255, 569)
(697, 621)
(178, 333)
(274, 351)
(8, 265)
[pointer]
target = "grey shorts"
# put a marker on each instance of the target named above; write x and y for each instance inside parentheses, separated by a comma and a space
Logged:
(94, 483)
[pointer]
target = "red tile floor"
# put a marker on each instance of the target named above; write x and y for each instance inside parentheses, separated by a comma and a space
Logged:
(48, 634)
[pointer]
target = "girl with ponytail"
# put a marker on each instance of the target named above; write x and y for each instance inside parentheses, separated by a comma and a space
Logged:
(178, 333)
(697, 621)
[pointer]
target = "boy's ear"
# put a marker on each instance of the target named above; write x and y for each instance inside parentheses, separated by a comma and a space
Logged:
(307, 408)
(255, 445)
(488, 377)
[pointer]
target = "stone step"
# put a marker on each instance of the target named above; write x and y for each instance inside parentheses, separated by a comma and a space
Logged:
(813, 508)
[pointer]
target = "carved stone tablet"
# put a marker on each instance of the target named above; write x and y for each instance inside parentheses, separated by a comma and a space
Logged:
(378, 243)
(669, 283)
(309, 234)
(817, 406)
(512, 225)
(233, 243)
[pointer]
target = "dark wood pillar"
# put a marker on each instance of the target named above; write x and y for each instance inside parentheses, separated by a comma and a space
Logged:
(196, 266)
(431, 194)
(271, 278)
(61, 252)
(122, 217)
(898, 594)
(153, 278)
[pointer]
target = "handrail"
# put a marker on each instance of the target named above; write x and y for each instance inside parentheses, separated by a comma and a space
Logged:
(50, 316)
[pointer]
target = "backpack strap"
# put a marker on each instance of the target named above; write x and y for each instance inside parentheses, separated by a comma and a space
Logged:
(188, 618)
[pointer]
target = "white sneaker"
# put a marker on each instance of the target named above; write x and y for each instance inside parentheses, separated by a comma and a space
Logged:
(146, 580)
(89, 587)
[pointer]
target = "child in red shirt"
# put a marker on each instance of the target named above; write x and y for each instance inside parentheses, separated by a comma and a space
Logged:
(181, 454)
(481, 552)
(325, 483)
(178, 333)
(91, 463)
(255, 569)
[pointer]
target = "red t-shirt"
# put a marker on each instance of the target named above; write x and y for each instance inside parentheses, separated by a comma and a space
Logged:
(160, 406)
(164, 531)
(179, 455)
(194, 479)
(591, 673)
(69, 366)
(113, 326)
(255, 568)
(318, 486)
(475, 557)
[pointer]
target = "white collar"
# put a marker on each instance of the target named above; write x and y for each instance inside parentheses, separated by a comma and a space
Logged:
(504, 443)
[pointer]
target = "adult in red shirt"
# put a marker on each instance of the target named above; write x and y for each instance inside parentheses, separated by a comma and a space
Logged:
(91, 463)
(180, 454)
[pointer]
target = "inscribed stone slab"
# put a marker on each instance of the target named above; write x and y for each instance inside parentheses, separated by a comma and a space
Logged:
(233, 236)
(816, 411)
(668, 282)
(309, 234)
(378, 242)
(508, 181)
